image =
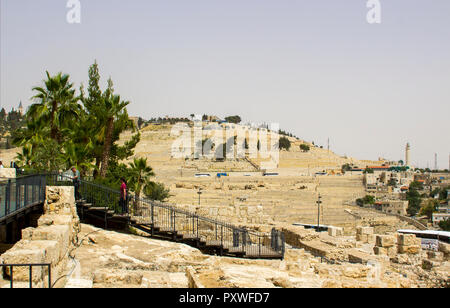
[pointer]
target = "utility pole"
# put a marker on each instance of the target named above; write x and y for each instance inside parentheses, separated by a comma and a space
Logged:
(318, 212)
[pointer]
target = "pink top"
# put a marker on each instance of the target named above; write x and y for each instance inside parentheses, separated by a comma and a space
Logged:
(123, 189)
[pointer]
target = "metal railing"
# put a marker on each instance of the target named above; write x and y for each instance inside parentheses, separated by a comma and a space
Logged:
(179, 223)
(20, 193)
(30, 270)
(210, 232)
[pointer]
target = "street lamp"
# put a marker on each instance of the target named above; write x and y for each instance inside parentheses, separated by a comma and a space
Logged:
(318, 212)
(199, 192)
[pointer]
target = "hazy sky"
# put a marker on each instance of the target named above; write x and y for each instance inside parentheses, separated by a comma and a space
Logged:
(317, 67)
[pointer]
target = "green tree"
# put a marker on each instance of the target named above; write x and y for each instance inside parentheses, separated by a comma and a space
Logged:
(233, 119)
(284, 143)
(83, 133)
(414, 202)
(368, 199)
(416, 185)
(305, 148)
(113, 109)
(429, 208)
(139, 175)
(156, 191)
(445, 225)
(57, 104)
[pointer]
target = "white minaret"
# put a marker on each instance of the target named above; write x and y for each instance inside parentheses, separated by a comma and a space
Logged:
(407, 157)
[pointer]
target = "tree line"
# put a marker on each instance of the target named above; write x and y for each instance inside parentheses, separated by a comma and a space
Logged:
(64, 129)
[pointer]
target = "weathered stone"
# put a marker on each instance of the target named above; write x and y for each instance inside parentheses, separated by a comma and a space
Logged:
(25, 256)
(428, 264)
(384, 241)
(409, 249)
(193, 281)
(406, 239)
(362, 238)
(435, 255)
(118, 277)
(45, 221)
(401, 259)
(380, 251)
(356, 256)
(335, 231)
(355, 271)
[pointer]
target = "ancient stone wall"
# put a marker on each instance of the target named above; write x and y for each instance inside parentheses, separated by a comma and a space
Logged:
(50, 242)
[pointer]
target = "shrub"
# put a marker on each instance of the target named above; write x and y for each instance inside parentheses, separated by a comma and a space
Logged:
(304, 147)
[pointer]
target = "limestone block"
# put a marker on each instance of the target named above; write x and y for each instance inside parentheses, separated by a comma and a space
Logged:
(60, 200)
(406, 239)
(59, 233)
(409, 249)
(367, 230)
(356, 256)
(27, 234)
(193, 280)
(401, 259)
(392, 251)
(380, 251)
(50, 248)
(362, 238)
(45, 220)
(364, 230)
(335, 231)
(384, 241)
(25, 256)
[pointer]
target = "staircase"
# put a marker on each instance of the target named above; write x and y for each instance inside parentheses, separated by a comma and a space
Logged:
(99, 205)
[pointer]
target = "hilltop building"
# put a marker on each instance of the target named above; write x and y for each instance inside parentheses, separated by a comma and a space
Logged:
(20, 108)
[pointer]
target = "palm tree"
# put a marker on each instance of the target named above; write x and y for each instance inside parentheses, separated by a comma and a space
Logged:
(113, 108)
(56, 104)
(25, 158)
(140, 174)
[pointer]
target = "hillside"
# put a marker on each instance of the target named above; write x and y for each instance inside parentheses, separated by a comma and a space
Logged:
(248, 197)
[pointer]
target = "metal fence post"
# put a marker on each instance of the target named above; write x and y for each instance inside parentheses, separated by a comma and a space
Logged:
(12, 276)
(153, 220)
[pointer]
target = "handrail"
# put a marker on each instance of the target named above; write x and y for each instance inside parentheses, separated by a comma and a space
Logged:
(17, 194)
(30, 265)
(175, 220)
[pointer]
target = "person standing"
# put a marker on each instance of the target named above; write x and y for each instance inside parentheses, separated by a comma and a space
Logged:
(123, 196)
(76, 182)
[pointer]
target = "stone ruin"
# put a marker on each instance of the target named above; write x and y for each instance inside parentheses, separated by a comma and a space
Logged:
(51, 242)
